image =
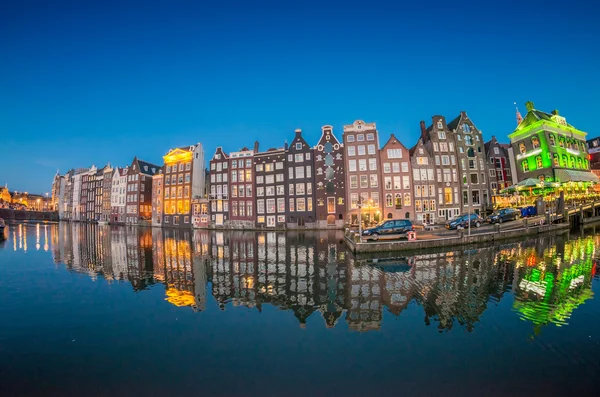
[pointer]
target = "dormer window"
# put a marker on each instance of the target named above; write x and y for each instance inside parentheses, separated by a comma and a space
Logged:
(299, 146)
(440, 125)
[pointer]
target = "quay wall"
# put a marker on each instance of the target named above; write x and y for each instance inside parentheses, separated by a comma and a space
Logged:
(444, 242)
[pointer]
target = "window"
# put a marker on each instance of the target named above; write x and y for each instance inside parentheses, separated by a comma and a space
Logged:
(350, 138)
(451, 146)
(280, 205)
(492, 173)
(279, 165)
(525, 166)
(416, 175)
(300, 204)
(396, 167)
(439, 175)
(268, 167)
(298, 145)
(290, 157)
(406, 199)
(351, 151)
(468, 140)
(447, 175)
(299, 172)
(465, 197)
(354, 200)
(443, 146)
(436, 147)
(387, 183)
(299, 188)
(352, 165)
(397, 185)
(371, 149)
(442, 134)
(448, 195)
(260, 206)
(474, 178)
(372, 164)
(394, 153)
(437, 160)
(308, 171)
(370, 137)
(361, 150)
(373, 178)
(364, 181)
(422, 161)
(555, 160)
(496, 150)
(440, 125)
(389, 200)
(466, 128)
(269, 191)
(538, 162)
(279, 177)
(406, 182)
(522, 148)
(445, 160)
(270, 206)
(353, 181)
(299, 157)
(418, 207)
(386, 168)
(475, 197)
(362, 164)
(360, 137)
(270, 179)
(404, 166)
(535, 142)
(453, 160)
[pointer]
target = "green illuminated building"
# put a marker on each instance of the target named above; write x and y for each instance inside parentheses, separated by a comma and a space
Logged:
(546, 147)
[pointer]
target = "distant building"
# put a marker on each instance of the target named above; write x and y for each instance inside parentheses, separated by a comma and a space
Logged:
(472, 159)
(594, 155)
(330, 180)
(301, 182)
(139, 191)
(219, 188)
(157, 198)
(58, 194)
(108, 173)
(361, 147)
(499, 171)
(270, 176)
(397, 181)
(118, 195)
(547, 148)
(241, 188)
(184, 181)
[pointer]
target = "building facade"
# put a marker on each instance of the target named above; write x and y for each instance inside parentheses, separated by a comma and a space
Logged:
(473, 166)
(157, 198)
(219, 188)
(397, 180)
(499, 169)
(183, 180)
(547, 148)
(330, 180)
(138, 209)
(106, 192)
(241, 189)
(118, 195)
(271, 199)
(301, 182)
(361, 149)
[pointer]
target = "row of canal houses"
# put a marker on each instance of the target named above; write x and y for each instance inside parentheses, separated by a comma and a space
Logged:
(449, 171)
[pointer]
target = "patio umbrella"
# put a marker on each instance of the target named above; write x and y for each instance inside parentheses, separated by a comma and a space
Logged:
(509, 189)
(529, 183)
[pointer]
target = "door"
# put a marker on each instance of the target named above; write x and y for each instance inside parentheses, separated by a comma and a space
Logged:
(219, 219)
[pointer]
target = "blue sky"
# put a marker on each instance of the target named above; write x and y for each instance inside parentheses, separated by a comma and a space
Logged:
(94, 82)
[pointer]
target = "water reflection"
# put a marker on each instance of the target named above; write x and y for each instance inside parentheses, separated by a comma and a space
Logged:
(311, 273)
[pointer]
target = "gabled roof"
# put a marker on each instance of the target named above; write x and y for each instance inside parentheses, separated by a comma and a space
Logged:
(393, 137)
(454, 123)
(145, 167)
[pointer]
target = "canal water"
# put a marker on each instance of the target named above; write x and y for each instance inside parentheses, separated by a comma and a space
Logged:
(113, 311)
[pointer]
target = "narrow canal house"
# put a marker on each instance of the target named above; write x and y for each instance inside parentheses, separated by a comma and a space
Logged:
(423, 179)
(118, 195)
(361, 148)
(270, 176)
(301, 181)
(473, 171)
(219, 188)
(499, 169)
(397, 180)
(108, 173)
(330, 180)
(184, 179)
(139, 192)
(241, 180)
(157, 197)
(547, 148)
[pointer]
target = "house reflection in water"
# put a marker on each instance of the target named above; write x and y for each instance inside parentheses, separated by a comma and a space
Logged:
(308, 272)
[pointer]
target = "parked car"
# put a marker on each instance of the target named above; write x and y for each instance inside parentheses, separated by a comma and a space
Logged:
(503, 215)
(463, 221)
(388, 229)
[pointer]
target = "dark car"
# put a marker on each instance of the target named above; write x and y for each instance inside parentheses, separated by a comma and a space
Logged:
(388, 229)
(503, 215)
(463, 221)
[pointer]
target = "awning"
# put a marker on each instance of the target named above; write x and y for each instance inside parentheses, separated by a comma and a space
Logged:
(563, 176)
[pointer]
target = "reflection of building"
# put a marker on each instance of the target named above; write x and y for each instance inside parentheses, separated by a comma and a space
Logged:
(330, 180)
(546, 147)
(157, 198)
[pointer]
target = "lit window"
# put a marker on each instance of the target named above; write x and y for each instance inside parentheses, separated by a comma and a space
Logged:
(525, 166)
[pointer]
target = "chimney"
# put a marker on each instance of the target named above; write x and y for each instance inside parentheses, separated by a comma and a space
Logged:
(298, 133)
(423, 131)
(285, 146)
(464, 114)
(256, 147)
(555, 112)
